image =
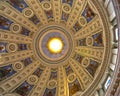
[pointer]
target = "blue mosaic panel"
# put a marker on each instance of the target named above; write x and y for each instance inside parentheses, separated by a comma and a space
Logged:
(5, 23)
(79, 58)
(27, 61)
(74, 87)
(82, 42)
(65, 16)
(43, 0)
(38, 72)
(49, 14)
(34, 19)
(6, 72)
(97, 40)
(88, 13)
(77, 26)
(70, 2)
(53, 75)
(24, 89)
(3, 47)
(50, 92)
(25, 31)
(68, 70)
(22, 47)
(92, 67)
(18, 4)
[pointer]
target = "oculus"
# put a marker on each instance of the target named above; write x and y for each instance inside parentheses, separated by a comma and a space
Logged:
(55, 45)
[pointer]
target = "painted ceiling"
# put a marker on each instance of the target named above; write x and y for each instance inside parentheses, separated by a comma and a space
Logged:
(28, 65)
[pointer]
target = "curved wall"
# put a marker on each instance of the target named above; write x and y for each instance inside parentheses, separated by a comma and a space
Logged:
(110, 84)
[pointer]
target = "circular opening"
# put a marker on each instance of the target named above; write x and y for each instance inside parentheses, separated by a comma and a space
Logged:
(55, 45)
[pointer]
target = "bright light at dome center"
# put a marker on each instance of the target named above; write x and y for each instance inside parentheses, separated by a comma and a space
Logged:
(55, 45)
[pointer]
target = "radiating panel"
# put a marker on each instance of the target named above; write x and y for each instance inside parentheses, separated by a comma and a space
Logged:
(9, 12)
(94, 52)
(7, 36)
(76, 11)
(57, 10)
(11, 57)
(12, 83)
(38, 10)
(40, 87)
(62, 83)
(93, 27)
(82, 73)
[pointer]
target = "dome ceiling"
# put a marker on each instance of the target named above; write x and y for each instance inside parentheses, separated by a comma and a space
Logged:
(52, 47)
